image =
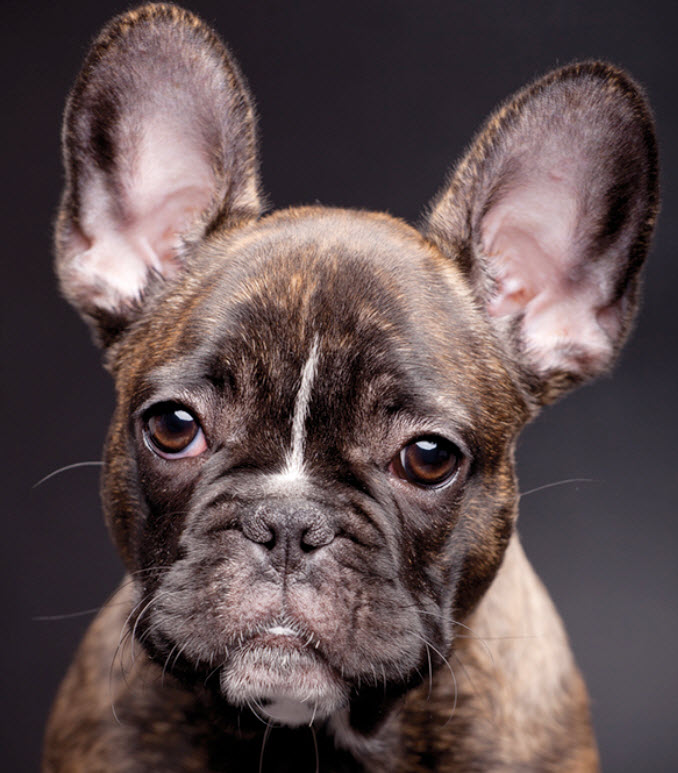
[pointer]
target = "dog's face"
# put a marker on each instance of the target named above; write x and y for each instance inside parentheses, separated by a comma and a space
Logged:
(310, 459)
(309, 472)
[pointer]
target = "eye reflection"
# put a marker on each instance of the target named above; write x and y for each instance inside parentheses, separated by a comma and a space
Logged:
(429, 461)
(173, 432)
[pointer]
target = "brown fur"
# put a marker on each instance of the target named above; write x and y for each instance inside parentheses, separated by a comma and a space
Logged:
(447, 651)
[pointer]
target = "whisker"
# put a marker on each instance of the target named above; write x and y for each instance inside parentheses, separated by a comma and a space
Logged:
(256, 714)
(65, 469)
(108, 603)
(82, 612)
(488, 695)
(499, 638)
(211, 674)
(136, 623)
(450, 669)
(66, 616)
(154, 599)
(557, 483)
(430, 671)
(464, 669)
(179, 654)
(119, 654)
(167, 660)
(147, 570)
(124, 637)
(125, 626)
(315, 747)
(475, 636)
(267, 733)
(149, 631)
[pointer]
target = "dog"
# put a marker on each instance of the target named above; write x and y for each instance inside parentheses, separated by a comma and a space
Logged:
(309, 473)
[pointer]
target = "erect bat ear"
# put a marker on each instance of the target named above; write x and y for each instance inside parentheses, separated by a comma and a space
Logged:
(550, 216)
(159, 148)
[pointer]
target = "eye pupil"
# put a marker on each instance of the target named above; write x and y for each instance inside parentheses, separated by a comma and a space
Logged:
(428, 461)
(172, 429)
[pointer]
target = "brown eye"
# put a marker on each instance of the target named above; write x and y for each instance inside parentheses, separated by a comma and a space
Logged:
(428, 461)
(173, 432)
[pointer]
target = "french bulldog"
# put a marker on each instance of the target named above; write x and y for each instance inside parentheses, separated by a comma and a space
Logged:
(309, 473)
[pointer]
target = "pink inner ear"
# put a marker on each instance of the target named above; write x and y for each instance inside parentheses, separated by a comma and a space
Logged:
(164, 188)
(526, 236)
(170, 183)
(531, 239)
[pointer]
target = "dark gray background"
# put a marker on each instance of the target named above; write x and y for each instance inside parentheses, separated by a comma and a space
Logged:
(362, 104)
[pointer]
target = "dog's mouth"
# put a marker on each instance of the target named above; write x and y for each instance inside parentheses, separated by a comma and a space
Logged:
(280, 674)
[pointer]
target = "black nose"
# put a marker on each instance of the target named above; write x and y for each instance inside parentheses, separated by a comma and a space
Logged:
(289, 532)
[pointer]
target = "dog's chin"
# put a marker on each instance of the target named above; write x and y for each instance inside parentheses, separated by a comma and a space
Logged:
(280, 676)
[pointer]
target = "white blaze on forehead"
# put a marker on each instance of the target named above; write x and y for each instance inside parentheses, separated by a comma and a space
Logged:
(294, 464)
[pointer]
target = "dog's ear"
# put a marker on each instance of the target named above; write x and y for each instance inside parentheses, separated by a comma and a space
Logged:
(159, 148)
(550, 215)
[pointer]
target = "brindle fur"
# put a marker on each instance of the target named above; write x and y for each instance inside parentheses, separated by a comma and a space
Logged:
(414, 581)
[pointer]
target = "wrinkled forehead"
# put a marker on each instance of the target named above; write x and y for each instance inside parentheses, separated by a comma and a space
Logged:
(348, 278)
(361, 296)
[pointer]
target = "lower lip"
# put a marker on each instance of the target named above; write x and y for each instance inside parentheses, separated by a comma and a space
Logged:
(271, 640)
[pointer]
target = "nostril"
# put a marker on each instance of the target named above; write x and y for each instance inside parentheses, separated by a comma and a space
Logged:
(315, 537)
(286, 530)
(306, 545)
(270, 543)
(257, 531)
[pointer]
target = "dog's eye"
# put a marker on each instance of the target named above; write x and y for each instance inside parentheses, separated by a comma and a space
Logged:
(429, 461)
(173, 432)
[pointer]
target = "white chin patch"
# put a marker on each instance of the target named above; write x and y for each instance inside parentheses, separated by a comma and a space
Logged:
(288, 711)
(281, 630)
(278, 675)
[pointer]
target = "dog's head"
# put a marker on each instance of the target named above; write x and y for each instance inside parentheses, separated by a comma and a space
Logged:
(309, 473)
